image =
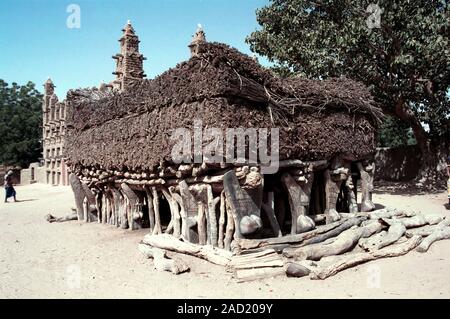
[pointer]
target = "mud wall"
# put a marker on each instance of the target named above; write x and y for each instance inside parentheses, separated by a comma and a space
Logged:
(397, 164)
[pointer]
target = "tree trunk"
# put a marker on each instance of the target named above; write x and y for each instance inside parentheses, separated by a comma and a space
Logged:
(433, 169)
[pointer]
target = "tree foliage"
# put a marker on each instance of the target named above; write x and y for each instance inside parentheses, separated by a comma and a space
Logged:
(20, 124)
(395, 133)
(399, 49)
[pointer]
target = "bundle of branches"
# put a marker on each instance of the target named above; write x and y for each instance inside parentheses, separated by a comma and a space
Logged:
(219, 71)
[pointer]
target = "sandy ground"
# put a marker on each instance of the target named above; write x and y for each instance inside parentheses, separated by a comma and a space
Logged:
(78, 260)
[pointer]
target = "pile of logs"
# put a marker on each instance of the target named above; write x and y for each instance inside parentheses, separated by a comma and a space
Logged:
(302, 220)
(320, 253)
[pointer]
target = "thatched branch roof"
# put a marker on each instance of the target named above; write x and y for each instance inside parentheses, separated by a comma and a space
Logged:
(225, 88)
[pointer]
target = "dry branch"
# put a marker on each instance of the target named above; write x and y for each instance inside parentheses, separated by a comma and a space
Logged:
(351, 260)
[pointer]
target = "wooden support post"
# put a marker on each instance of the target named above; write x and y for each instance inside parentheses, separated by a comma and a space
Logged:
(177, 217)
(134, 207)
(366, 171)
(118, 198)
(86, 208)
(332, 189)
(351, 197)
(201, 223)
(151, 212)
(212, 204)
(79, 195)
(230, 228)
(245, 212)
(298, 201)
(157, 230)
(189, 210)
(174, 211)
(222, 219)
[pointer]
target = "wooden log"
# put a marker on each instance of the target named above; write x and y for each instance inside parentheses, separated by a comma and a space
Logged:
(86, 209)
(189, 209)
(249, 256)
(267, 261)
(184, 170)
(394, 233)
(222, 220)
(174, 211)
(332, 189)
(107, 205)
(230, 228)
(253, 184)
(252, 258)
(212, 204)
(366, 171)
(351, 197)
(118, 198)
(298, 201)
(443, 233)
(346, 224)
(272, 219)
(210, 179)
(134, 207)
(416, 221)
(104, 205)
(161, 263)
(201, 219)
(245, 275)
(151, 212)
(351, 260)
(427, 230)
(386, 213)
(343, 243)
(123, 212)
(52, 219)
(200, 170)
(315, 165)
(98, 204)
(245, 212)
(157, 230)
(292, 163)
(212, 254)
(248, 244)
(79, 195)
(89, 194)
(177, 215)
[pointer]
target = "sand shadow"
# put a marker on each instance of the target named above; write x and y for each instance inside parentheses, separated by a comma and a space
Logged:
(401, 188)
(24, 200)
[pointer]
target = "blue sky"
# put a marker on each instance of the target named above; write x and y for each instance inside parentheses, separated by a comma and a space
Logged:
(35, 41)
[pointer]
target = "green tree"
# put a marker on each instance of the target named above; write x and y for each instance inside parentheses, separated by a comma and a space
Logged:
(399, 49)
(20, 124)
(394, 133)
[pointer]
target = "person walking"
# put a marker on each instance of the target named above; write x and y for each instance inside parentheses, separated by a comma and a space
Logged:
(9, 188)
